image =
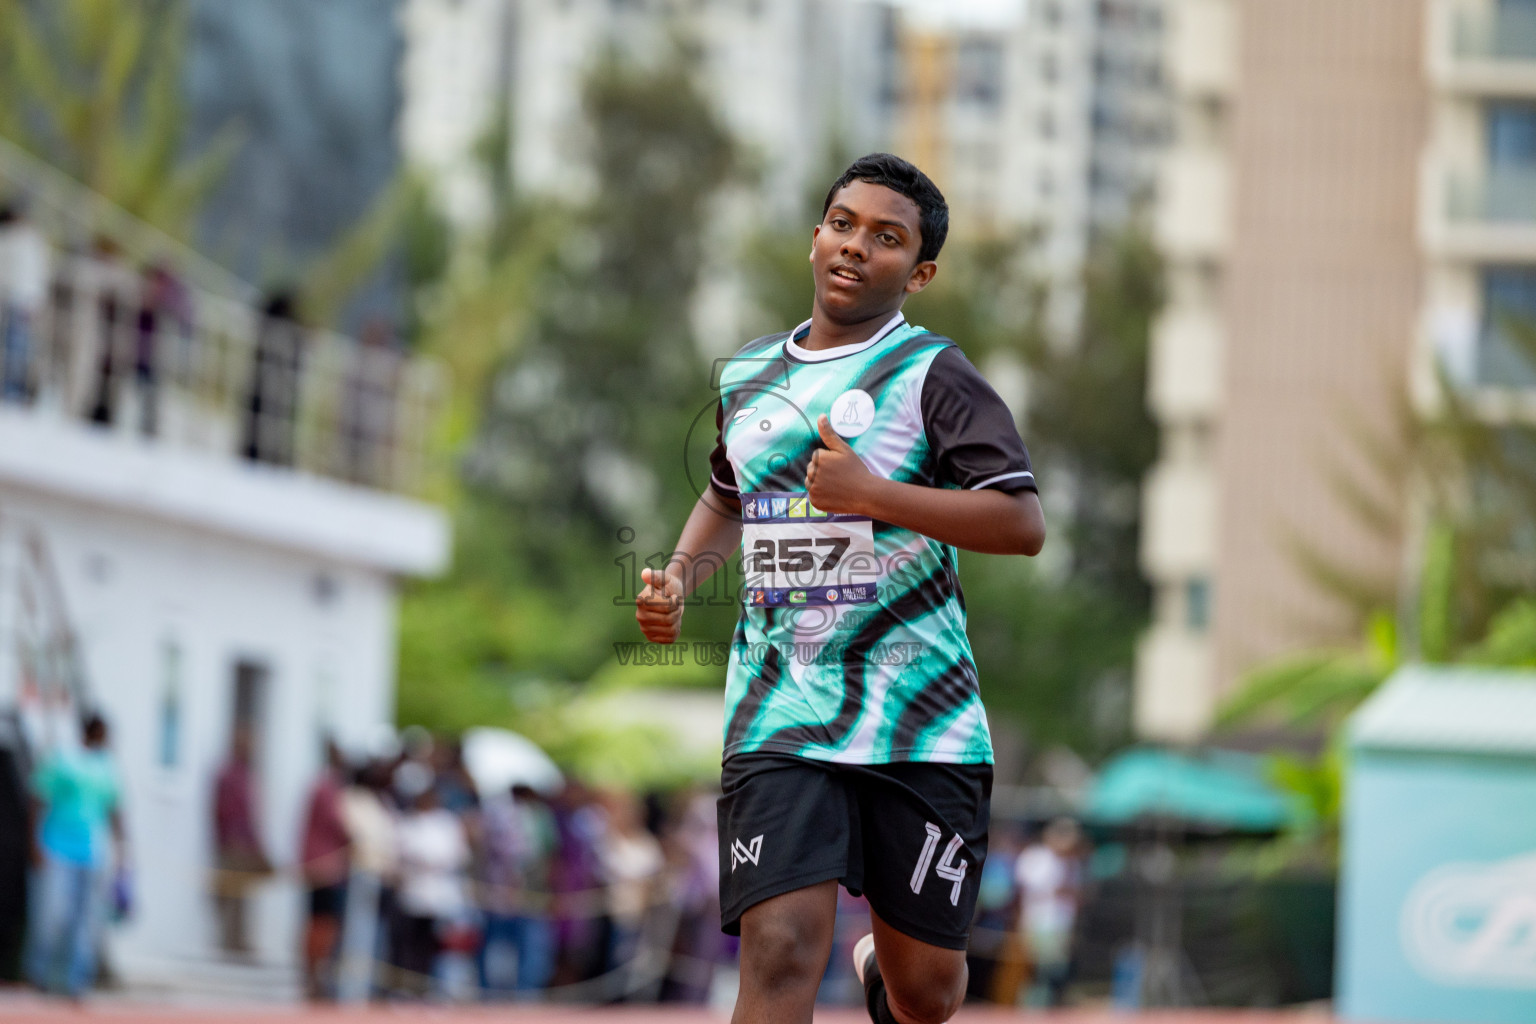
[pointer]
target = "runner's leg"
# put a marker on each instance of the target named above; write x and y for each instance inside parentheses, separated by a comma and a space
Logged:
(924, 984)
(785, 943)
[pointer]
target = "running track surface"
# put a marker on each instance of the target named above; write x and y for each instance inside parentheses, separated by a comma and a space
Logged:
(28, 1011)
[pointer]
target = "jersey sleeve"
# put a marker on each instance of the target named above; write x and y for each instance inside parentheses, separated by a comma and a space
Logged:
(970, 430)
(722, 476)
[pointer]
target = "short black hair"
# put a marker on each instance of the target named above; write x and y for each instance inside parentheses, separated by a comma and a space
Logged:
(898, 175)
(93, 727)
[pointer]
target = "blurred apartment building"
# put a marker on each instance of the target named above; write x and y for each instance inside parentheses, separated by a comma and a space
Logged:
(1351, 198)
(205, 513)
(1049, 114)
(786, 77)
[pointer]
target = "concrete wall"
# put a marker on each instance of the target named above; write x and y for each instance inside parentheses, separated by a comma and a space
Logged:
(138, 589)
(1322, 294)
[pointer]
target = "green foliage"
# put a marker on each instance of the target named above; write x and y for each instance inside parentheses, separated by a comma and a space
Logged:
(1088, 417)
(1315, 790)
(1511, 639)
(93, 87)
(1472, 592)
(581, 430)
(1053, 656)
(567, 326)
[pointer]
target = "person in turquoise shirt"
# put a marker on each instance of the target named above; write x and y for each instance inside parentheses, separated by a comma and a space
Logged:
(79, 835)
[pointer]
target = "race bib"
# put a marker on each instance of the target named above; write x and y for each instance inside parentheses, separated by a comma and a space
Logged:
(793, 553)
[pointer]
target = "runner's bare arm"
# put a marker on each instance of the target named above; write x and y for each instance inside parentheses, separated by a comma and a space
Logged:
(710, 539)
(990, 521)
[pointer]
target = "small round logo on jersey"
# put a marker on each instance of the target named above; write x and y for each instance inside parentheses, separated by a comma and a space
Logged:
(853, 412)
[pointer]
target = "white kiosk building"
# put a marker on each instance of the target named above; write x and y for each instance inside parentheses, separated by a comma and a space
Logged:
(204, 513)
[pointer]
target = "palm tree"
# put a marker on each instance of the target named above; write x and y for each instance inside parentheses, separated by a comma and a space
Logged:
(93, 88)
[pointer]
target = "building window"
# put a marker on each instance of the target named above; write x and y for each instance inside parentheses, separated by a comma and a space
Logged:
(1050, 12)
(1511, 129)
(1050, 67)
(1047, 125)
(168, 749)
(979, 71)
(1197, 604)
(1046, 185)
(1506, 351)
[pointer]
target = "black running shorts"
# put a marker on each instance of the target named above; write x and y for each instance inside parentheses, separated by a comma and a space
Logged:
(911, 837)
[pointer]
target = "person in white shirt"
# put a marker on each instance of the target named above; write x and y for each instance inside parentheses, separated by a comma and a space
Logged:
(370, 823)
(24, 268)
(632, 863)
(1048, 874)
(434, 856)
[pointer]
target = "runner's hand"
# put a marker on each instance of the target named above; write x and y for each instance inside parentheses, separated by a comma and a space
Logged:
(659, 607)
(837, 480)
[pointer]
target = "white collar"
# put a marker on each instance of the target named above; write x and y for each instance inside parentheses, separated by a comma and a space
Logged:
(822, 355)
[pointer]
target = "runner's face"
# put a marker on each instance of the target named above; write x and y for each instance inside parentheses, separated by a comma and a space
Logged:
(864, 253)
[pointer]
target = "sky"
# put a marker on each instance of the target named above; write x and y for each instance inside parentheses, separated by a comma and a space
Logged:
(966, 12)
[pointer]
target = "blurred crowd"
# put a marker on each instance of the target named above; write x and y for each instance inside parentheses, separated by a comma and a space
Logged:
(418, 884)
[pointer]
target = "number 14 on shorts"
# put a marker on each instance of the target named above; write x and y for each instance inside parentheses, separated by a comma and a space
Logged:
(946, 869)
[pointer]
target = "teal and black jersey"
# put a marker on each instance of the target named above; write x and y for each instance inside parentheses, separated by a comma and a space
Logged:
(851, 645)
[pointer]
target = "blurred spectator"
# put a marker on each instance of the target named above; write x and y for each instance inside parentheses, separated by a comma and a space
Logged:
(455, 788)
(370, 824)
(323, 861)
(694, 849)
(1049, 875)
(165, 313)
(15, 846)
(272, 400)
(576, 878)
(241, 855)
(519, 839)
(632, 862)
(434, 855)
(24, 272)
(114, 342)
(368, 405)
(996, 955)
(78, 795)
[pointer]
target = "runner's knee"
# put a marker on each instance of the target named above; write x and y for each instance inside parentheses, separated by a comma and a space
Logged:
(929, 996)
(780, 952)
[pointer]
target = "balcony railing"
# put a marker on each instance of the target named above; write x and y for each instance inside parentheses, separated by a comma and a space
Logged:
(119, 325)
(138, 352)
(1500, 195)
(1504, 33)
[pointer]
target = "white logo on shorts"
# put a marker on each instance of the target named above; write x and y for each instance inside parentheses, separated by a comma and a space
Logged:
(947, 868)
(745, 851)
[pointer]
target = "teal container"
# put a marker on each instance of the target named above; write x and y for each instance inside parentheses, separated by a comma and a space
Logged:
(1438, 884)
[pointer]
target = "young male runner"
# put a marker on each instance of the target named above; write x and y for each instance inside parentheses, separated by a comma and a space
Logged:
(855, 453)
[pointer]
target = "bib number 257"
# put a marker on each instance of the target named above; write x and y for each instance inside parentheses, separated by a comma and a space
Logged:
(796, 554)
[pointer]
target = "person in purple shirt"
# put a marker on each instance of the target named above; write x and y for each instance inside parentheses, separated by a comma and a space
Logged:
(241, 855)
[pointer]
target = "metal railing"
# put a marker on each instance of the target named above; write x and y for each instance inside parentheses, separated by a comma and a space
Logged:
(42, 675)
(1504, 195)
(135, 332)
(138, 352)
